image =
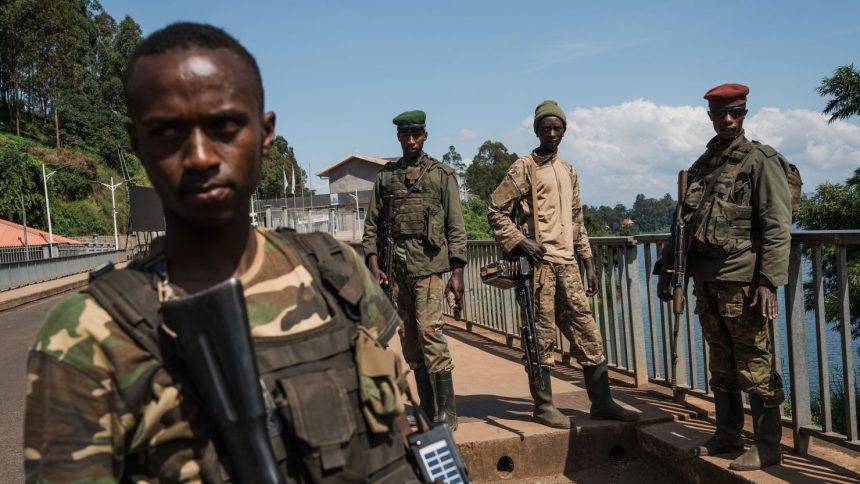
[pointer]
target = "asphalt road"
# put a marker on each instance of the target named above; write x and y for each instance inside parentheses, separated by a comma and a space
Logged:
(18, 327)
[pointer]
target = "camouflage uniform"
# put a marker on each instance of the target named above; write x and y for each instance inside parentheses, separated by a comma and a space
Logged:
(429, 232)
(561, 302)
(100, 408)
(740, 238)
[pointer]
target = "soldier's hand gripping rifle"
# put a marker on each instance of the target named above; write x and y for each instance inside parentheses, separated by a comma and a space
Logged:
(528, 328)
(678, 272)
(386, 244)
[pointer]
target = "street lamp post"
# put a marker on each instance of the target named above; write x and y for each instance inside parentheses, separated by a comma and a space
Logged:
(355, 222)
(48, 207)
(113, 186)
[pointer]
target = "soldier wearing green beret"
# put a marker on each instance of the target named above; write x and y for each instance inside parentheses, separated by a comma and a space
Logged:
(737, 213)
(430, 240)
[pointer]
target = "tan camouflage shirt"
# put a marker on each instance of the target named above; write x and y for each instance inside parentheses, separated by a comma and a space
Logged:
(102, 409)
(562, 230)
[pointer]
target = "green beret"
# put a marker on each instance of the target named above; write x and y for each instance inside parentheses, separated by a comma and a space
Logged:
(410, 120)
(549, 108)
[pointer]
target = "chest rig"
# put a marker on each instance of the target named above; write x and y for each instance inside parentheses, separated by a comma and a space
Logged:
(317, 383)
(717, 206)
(418, 211)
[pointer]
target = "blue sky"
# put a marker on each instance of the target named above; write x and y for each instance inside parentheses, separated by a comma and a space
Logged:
(631, 75)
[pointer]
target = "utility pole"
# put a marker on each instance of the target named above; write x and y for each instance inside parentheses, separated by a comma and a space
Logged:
(113, 186)
(24, 212)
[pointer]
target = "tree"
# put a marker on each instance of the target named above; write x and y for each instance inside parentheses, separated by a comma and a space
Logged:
(653, 215)
(844, 86)
(281, 161)
(455, 160)
(836, 206)
(487, 169)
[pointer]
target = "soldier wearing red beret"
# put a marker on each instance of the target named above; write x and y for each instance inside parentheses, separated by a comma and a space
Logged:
(737, 211)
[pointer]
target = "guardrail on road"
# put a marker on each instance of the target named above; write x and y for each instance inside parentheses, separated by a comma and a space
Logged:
(19, 274)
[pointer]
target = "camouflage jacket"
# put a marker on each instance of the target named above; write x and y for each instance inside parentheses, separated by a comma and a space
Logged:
(756, 244)
(560, 219)
(422, 255)
(102, 409)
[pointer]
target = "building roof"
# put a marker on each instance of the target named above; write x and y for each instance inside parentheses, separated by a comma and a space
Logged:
(372, 159)
(12, 235)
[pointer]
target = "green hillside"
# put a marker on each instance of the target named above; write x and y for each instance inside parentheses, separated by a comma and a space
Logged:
(62, 105)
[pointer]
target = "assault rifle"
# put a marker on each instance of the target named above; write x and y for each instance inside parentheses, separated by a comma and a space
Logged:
(213, 342)
(679, 278)
(528, 328)
(385, 243)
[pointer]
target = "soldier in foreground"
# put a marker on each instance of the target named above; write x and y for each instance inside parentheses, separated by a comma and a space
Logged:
(543, 191)
(107, 401)
(429, 235)
(738, 216)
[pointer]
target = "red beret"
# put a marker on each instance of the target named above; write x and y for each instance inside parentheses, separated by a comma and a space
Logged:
(727, 95)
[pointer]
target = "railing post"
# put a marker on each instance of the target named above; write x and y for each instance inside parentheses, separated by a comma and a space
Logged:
(637, 325)
(821, 340)
(847, 349)
(798, 354)
(649, 296)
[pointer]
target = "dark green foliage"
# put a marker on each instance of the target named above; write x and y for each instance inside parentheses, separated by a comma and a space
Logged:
(281, 161)
(609, 218)
(837, 402)
(835, 206)
(79, 218)
(475, 217)
(844, 86)
(487, 169)
(595, 225)
(653, 215)
(21, 173)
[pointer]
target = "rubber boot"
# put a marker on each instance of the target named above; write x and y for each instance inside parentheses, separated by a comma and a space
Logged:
(545, 412)
(766, 450)
(426, 395)
(602, 405)
(729, 410)
(446, 402)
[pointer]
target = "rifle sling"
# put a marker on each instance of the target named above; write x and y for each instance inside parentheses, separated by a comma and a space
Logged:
(533, 177)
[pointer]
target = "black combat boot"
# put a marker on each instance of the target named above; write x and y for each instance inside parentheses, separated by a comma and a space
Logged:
(426, 395)
(445, 400)
(729, 410)
(545, 412)
(766, 450)
(602, 405)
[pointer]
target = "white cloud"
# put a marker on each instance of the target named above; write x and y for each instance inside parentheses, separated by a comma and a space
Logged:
(639, 147)
(467, 134)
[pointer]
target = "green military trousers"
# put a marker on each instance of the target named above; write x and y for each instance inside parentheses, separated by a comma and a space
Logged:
(561, 302)
(419, 303)
(739, 340)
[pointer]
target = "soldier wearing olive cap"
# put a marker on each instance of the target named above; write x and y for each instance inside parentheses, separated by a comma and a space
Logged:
(430, 240)
(738, 218)
(543, 191)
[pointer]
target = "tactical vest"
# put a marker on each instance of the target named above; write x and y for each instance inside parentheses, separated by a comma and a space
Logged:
(418, 211)
(717, 204)
(331, 391)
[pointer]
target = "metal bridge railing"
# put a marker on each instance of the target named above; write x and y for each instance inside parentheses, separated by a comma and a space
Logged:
(636, 325)
(17, 274)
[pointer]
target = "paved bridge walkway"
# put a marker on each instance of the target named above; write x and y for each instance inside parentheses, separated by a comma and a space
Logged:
(501, 443)
(498, 439)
